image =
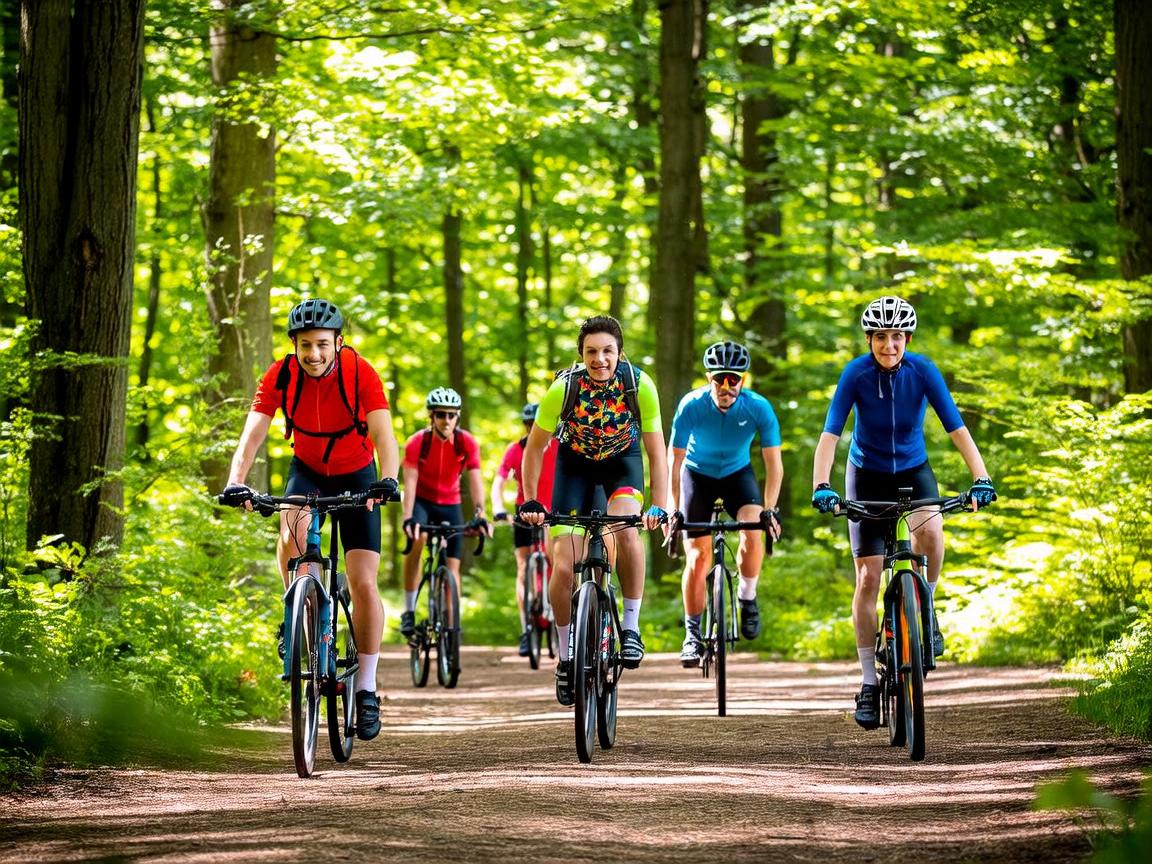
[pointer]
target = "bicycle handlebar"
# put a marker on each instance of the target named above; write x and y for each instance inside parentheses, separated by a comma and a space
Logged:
(593, 520)
(445, 530)
(892, 509)
(266, 505)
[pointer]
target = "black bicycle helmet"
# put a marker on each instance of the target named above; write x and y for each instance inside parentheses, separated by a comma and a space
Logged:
(889, 313)
(314, 314)
(726, 357)
(528, 412)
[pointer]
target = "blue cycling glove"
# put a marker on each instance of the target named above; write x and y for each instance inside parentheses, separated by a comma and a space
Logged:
(982, 492)
(825, 498)
(657, 513)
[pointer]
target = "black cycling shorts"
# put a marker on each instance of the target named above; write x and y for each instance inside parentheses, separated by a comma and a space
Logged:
(427, 513)
(521, 535)
(698, 492)
(359, 528)
(867, 536)
(582, 485)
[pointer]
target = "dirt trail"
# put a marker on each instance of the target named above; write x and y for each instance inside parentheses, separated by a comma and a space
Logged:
(489, 773)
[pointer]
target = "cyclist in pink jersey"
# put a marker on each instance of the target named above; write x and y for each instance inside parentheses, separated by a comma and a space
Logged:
(435, 459)
(510, 466)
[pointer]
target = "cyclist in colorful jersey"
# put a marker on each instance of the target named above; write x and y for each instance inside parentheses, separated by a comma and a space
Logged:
(510, 466)
(890, 391)
(614, 409)
(337, 416)
(712, 432)
(435, 459)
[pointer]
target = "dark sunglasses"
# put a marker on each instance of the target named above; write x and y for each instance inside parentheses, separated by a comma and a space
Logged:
(445, 415)
(727, 379)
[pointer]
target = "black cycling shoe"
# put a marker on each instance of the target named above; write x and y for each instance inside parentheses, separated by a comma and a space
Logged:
(631, 649)
(524, 644)
(280, 641)
(367, 715)
(691, 651)
(407, 624)
(749, 619)
(868, 706)
(565, 692)
(937, 638)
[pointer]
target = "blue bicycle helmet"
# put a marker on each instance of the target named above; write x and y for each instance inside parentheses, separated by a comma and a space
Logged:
(314, 314)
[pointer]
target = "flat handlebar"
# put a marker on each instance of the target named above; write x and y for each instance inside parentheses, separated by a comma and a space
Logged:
(446, 530)
(892, 509)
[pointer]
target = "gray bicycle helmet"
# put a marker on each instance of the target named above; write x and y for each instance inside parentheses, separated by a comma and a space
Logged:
(314, 314)
(889, 313)
(443, 397)
(528, 412)
(726, 357)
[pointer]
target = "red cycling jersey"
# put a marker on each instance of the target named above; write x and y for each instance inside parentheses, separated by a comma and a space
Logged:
(441, 469)
(511, 464)
(321, 409)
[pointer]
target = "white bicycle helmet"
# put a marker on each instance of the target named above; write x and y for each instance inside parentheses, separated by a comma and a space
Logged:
(443, 397)
(889, 313)
(726, 357)
(528, 412)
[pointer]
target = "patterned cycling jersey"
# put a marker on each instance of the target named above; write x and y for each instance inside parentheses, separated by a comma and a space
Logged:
(601, 425)
(717, 441)
(890, 408)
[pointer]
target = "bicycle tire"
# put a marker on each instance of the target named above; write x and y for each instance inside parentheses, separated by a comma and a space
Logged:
(720, 622)
(304, 674)
(609, 675)
(911, 665)
(532, 610)
(891, 696)
(448, 632)
(585, 669)
(341, 691)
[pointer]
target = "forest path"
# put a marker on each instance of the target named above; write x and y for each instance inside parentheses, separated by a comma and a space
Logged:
(488, 772)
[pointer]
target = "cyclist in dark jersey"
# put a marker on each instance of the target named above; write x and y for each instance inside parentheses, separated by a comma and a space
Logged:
(338, 417)
(599, 455)
(890, 391)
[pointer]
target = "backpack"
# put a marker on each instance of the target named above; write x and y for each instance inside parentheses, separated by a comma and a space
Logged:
(457, 445)
(284, 384)
(577, 371)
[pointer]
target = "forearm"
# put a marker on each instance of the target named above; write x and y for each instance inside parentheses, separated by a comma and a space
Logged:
(533, 461)
(773, 476)
(384, 440)
(674, 471)
(255, 430)
(411, 481)
(657, 467)
(476, 490)
(825, 456)
(496, 494)
(962, 438)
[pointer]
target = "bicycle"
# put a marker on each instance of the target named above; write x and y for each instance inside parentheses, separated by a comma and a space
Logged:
(906, 628)
(442, 626)
(317, 612)
(537, 604)
(719, 624)
(594, 639)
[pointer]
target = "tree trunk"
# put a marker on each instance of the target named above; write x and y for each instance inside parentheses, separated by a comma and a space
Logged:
(239, 227)
(79, 114)
(155, 268)
(524, 255)
(1133, 23)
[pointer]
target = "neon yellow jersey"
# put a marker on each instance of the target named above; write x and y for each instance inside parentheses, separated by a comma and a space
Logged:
(601, 425)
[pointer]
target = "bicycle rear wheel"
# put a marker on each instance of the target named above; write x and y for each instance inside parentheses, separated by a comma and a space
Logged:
(891, 696)
(911, 669)
(720, 624)
(585, 668)
(533, 607)
(304, 675)
(345, 661)
(448, 632)
(609, 675)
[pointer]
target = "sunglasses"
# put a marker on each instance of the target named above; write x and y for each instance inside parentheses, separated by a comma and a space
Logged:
(445, 415)
(727, 379)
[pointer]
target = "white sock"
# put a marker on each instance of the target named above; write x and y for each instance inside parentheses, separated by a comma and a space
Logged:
(631, 614)
(562, 636)
(366, 674)
(410, 601)
(747, 589)
(868, 664)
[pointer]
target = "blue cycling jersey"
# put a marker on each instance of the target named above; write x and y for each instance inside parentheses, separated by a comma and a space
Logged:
(717, 441)
(890, 408)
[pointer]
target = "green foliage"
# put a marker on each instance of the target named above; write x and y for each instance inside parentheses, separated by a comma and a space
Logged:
(1121, 829)
(1119, 692)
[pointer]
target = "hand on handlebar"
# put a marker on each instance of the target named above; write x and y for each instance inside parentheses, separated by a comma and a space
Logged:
(825, 498)
(532, 512)
(411, 528)
(236, 495)
(982, 493)
(383, 490)
(773, 524)
(499, 516)
(655, 517)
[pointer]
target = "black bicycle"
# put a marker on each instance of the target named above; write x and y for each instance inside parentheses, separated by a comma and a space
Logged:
(718, 630)
(442, 626)
(904, 642)
(594, 640)
(541, 624)
(320, 654)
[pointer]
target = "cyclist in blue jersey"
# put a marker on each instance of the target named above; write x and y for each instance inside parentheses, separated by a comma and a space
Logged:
(890, 391)
(712, 432)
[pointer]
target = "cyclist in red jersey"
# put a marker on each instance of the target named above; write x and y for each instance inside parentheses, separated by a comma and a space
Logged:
(337, 415)
(510, 466)
(435, 459)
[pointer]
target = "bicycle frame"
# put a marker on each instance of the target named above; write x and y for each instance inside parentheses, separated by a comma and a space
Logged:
(328, 569)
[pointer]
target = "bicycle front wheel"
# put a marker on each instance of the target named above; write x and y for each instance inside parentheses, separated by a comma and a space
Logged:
(609, 676)
(345, 661)
(448, 631)
(304, 675)
(911, 669)
(720, 624)
(533, 608)
(585, 668)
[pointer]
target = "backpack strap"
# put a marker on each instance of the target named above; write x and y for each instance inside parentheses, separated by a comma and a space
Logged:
(361, 426)
(457, 445)
(572, 376)
(631, 376)
(283, 380)
(284, 383)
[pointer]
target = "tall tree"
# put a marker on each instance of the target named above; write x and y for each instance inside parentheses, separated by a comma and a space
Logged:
(239, 215)
(1133, 22)
(79, 111)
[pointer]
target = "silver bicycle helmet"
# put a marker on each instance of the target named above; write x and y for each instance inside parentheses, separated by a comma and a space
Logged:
(528, 412)
(443, 397)
(314, 314)
(889, 313)
(726, 357)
